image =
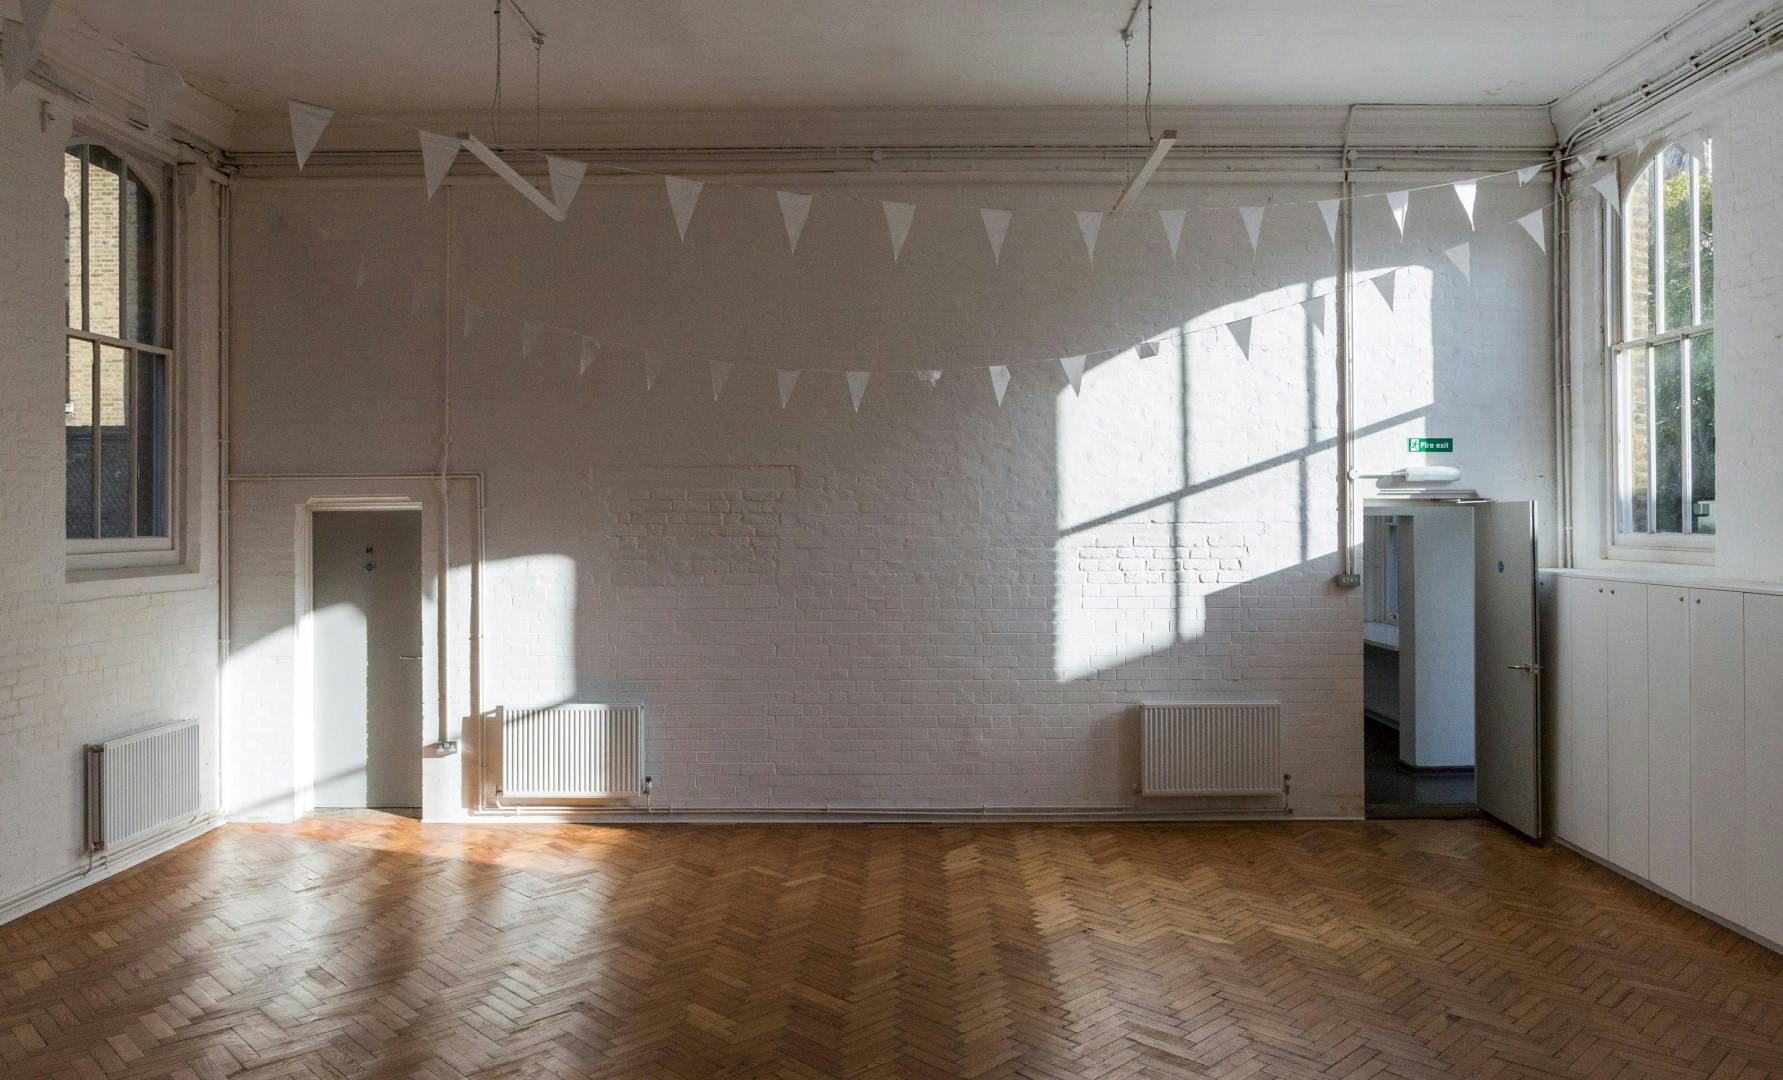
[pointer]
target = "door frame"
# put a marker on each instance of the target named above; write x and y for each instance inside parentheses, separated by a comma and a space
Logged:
(303, 749)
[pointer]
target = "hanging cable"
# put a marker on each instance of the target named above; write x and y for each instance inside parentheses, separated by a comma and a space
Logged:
(1148, 70)
(1127, 94)
(495, 106)
(538, 67)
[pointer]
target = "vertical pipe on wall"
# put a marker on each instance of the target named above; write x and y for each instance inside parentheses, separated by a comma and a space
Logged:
(1562, 299)
(1346, 383)
(445, 559)
(224, 232)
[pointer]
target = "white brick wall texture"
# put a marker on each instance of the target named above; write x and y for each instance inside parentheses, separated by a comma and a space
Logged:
(936, 602)
(78, 665)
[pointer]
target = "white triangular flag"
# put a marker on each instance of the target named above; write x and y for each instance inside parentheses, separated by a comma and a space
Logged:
(1089, 223)
(1398, 201)
(1173, 220)
(15, 53)
(999, 381)
(438, 152)
(683, 194)
(1586, 161)
(566, 180)
(1462, 256)
(161, 90)
(589, 348)
(721, 372)
(1609, 185)
(898, 216)
(307, 124)
(1147, 350)
(1695, 144)
(1328, 211)
(1640, 147)
(1528, 173)
(1536, 226)
(1315, 312)
(493, 162)
(996, 226)
(787, 380)
(794, 209)
(1386, 285)
(1240, 330)
(530, 333)
(857, 386)
(653, 366)
(1073, 366)
(1467, 191)
(1253, 223)
(931, 377)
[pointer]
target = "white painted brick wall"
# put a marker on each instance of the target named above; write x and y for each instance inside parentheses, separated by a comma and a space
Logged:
(75, 669)
(936, 602)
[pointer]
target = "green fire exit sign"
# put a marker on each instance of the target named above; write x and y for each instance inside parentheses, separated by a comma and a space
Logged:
(1421, 445)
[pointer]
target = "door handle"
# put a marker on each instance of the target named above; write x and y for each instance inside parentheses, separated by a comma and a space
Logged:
(408, 658)
(1531, 668)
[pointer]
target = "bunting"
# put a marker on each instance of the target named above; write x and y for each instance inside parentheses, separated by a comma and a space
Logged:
(683, 194)
(1172, 221)
(1253, 223)
(1328, 211)
(1466, 190)
(438, 152)
(996, 226)
(519, 183)
(1535, 224)
(1073, 366)
(786, 380)
(1609, 185)
(1462, 256)
(566, 180)
(162, 87)
(1147, 350)
(1240, 329)
(898, 216)
(1528, 173)
(857, 387)
(999, 381)
(794, 209)
(721, 373)
(589, 348)
(307, 124)
(1089, 223)
(1399, 202)
(1386, 284)
(930, 376)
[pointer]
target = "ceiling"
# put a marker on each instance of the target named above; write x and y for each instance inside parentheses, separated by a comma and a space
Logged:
(437, 55)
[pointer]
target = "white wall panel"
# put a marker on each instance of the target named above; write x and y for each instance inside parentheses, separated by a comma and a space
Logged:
(1668, 738)
(1625, 627)
(1718, 752)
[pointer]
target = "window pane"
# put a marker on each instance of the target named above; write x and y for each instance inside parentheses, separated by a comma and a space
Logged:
(139, 261)
(151, 445)
(1668, 437)
(78, 436)
(104, 235)
(1702, 432)
(72, 264)
(1639, 255)
(116, 454)
(1636, 440)
(1680, 288)
(1706, 194)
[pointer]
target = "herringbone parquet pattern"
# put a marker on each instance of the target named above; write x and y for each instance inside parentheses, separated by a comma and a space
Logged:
(369, 945)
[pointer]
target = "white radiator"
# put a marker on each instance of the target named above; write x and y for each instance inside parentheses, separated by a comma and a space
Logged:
(142, 784)
(572, 752)
(1211, 748)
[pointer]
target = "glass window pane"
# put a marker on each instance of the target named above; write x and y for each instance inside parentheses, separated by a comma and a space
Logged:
(78, 437)
(116, 454)
(72, 265)
(1668, 437)
(1680, 287)
(1636, 440)
(105, 207)
(1706, 191)
(139, 261)
(1702, 432)
(151, 445)
(1639, 262)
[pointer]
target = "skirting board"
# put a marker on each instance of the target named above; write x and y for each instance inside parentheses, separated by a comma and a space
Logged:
(1749, 935)
(866, 816)
(48, 892)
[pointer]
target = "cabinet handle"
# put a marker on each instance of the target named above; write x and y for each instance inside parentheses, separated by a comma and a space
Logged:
(1521, 667)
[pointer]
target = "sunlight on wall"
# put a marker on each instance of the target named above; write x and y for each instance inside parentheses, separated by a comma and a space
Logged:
(258, 683)
(530, 636)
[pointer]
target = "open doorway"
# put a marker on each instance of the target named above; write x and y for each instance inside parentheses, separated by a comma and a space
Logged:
(366, 601)
(1419, 659)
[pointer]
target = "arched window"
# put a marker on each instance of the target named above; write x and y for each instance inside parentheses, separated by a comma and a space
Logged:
(118, 411)
(1665, 353)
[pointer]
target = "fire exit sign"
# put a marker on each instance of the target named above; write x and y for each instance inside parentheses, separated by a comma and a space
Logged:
(1422, 445)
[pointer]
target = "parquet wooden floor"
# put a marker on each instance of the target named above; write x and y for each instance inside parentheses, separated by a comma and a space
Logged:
(370, 945)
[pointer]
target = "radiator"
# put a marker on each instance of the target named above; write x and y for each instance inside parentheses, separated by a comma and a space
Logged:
(1211, 748)
(142, 784)
(572, 752)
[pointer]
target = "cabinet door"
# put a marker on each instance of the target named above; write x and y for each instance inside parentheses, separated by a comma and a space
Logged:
(1555, 806)
(1764, 765)
(1718, 752)
(1626, 649)
(1588, 688)
(1668, 739)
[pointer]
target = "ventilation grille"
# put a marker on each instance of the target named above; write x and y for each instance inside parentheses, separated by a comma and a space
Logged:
(142, 784)
(572, 752)
(1214, 748)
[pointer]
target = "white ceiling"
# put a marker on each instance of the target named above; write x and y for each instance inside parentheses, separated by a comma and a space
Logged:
(437, 55)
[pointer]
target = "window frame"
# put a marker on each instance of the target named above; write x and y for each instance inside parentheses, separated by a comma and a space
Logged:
(1650, 546)
(147, 552)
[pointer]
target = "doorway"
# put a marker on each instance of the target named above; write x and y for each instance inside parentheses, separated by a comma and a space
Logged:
(366, 600)
(1419, 660)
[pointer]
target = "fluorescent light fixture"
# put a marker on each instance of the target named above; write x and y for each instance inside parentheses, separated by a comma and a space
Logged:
(1160, 146)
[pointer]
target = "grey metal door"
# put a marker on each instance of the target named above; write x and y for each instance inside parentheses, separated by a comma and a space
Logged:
(1507, 669)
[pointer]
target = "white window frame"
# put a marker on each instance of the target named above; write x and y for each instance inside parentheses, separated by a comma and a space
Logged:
(1678, 547)
(128, 553)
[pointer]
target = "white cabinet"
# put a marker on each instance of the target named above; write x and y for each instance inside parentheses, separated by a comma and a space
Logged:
(1668, 739)
(1625, 635)
(1587, 683)
(1764, 765)
(1718, 752)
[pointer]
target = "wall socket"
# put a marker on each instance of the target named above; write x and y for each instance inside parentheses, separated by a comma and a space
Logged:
(1348, 581)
